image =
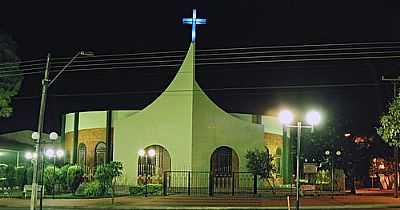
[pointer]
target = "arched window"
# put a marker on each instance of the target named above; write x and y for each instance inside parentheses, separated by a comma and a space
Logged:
(100, 154)
(82, 155)
(277, 160)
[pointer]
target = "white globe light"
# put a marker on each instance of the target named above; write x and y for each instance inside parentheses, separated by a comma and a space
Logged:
(141, 152)
(29, 155)
(327, 152)
(313, 118)
(285, 117)
(50, 152)
(152, 153)
(60, 153)
(53, 136)
(338, 153)
(35, 135)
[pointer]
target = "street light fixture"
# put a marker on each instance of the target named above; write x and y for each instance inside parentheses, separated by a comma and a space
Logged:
(328, 153)
(143, 154)
(46, 83)
(312, 118)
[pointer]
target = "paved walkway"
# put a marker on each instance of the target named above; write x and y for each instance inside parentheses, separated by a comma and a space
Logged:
(174, 202)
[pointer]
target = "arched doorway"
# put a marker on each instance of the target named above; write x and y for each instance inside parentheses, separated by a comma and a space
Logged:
(152, 164)
(224, 162)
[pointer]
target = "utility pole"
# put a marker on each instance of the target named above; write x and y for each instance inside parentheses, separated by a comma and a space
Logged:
(37, 165)
(396, 149)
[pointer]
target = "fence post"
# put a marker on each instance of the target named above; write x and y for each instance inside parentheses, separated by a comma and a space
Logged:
(188, 184)
(210, 184)
(233, 183)
(255, 184)
(165, 183)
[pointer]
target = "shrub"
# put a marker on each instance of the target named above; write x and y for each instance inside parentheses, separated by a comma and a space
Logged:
(89, 189)
(74, 177)
(152, 189)
(63, 177)
(51, 177)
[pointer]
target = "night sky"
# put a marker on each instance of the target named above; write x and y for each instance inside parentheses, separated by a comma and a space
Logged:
(62, 29)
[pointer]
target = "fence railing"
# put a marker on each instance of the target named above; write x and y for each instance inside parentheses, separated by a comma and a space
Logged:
(203, 183)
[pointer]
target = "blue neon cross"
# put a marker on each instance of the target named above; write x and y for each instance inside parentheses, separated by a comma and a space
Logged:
(193, 21)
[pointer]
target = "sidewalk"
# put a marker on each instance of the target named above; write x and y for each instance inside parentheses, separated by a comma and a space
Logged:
(175, 202)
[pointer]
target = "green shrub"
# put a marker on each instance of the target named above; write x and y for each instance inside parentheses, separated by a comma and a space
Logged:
(74, 177)
(152, 189)
(63, 177)
(89, 189)
(51, 177)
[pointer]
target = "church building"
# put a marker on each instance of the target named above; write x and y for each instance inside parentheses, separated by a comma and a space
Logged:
(182, 130)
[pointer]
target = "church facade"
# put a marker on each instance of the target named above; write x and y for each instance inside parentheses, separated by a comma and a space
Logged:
(182, 130)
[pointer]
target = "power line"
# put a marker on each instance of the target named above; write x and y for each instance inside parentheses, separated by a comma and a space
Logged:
(214, 63)
(8, 73)
(284, 87)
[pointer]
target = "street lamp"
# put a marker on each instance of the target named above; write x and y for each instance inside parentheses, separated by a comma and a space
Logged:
(328, 154)
(143, 154)
(286, 118)
(46, 83)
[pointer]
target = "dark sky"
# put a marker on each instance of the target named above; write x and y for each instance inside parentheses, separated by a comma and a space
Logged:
(62, 29)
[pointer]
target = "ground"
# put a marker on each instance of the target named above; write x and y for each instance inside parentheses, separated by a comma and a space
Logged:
(365, 201)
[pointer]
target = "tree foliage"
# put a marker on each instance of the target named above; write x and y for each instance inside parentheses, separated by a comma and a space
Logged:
(106, 175)
(260, 163)
(389, 129)
(10, 78)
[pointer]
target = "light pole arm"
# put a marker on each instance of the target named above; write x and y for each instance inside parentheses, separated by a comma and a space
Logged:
(65, 67)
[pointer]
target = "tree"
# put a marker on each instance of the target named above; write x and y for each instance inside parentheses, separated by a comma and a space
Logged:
(10, 79)
(260, 163)
(106, 174)
(389, 129)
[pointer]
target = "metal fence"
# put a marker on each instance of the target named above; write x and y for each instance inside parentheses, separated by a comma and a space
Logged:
(207, 183)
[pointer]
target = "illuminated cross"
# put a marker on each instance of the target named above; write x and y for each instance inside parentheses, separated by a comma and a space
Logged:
(193, 21)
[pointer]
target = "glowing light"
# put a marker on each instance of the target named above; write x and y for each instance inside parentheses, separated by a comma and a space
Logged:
(35, 135)
(327, 152)
(347, 134)
(50, 153)
(285, 117)
(338, 153)
(60, 153)
(152, 153)
(28, 155)
(53, 136)
(313, 118)
(194, 21)
(141, 152)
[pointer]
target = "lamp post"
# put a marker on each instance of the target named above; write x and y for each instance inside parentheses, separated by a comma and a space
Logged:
(328, 154)
(46, 83)
(143, 154)
(286, 118)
